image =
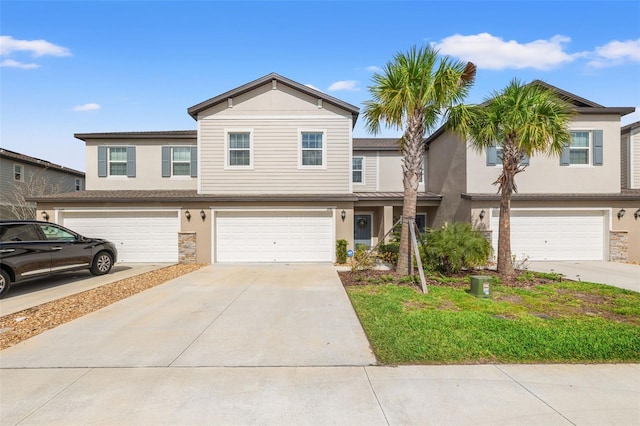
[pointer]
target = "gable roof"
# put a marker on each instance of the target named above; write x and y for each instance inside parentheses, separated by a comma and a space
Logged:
(629, 127)
(194, 110)
(16, 156)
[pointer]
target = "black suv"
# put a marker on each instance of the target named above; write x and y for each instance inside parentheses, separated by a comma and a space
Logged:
(30, 248)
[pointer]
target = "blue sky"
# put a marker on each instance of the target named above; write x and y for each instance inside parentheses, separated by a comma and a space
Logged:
(102, 66)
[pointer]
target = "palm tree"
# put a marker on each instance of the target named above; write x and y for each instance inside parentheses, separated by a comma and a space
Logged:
(411, 93)
(524, 119)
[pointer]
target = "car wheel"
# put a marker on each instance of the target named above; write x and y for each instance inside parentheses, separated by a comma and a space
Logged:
(102, 263)
(5, 283)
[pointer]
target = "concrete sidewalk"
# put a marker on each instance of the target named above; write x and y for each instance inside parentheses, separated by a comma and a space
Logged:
(438, 395)
(621, 275)
(276, 345)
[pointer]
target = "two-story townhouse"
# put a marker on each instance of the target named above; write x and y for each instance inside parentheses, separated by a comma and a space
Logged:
(23, 176)
(570, 207)
(266, 176)
(272, 173)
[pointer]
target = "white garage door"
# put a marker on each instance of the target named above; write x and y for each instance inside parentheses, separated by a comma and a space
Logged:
(274, 236)
(139, 236)
(554, 235)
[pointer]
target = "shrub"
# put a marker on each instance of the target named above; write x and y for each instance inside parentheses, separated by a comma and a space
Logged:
(454, 247)
(389, 252)
(362, 259)
(341, 251)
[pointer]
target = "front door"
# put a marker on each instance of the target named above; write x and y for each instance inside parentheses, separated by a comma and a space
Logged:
(362, 230)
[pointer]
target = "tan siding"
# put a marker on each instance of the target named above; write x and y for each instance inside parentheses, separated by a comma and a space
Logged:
(370, 172)
(635, 167)
(275, 157)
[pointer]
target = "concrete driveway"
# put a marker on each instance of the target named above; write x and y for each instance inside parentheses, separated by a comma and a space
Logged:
(240, 315)
(28, 294)
(621, 275)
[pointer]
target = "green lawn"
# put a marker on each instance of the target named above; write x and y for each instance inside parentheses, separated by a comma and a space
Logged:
(556, 322)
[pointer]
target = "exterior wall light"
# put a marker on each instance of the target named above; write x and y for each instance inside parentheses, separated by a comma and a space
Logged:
(482, 214)
(343, 215)
(45, 215)
(621, 213)
(203, 215)
(187, 214)
(636, 215)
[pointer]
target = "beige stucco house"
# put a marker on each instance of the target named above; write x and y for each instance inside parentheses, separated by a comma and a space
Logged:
(272, 173)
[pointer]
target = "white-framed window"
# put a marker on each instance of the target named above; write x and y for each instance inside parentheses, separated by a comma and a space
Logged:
(117, 161)
(313, 150)
(18, 172)
(181, 161)
(580, 147)
(78, 184)
(357, 170)
(239, 152)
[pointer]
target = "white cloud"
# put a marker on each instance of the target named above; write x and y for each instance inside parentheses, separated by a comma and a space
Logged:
(313, 87)
(86, 107)
(37, 47)
(491, 52)
(350, 85)
(373, 68)
(615, 53)
(10, 63)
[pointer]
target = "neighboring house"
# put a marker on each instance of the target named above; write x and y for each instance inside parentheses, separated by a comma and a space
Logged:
(24, 176)
(273, 174)
(630, 155)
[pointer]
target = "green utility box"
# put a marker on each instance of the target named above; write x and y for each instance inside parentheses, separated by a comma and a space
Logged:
(480, 286)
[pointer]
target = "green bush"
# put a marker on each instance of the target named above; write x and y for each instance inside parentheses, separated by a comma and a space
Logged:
(362, 259)
(454, 247)
(341, 251)
(389, 252)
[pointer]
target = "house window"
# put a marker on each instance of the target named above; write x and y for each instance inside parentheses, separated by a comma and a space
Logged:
(78, 184)
(239, 152)
(181, 161)
(118, 161)
(18, 173)
(494, 156)
(312, 150)
(357, 169)
(579, 147)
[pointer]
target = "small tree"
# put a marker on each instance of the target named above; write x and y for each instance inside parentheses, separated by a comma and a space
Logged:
(524, 119)
(35, 184)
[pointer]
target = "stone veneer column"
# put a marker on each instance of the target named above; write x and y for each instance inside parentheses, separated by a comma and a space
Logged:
(618, 246)
(186, 247)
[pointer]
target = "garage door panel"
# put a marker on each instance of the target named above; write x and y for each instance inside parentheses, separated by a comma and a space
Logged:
(555, 235)
(274, 236)
(138, 236)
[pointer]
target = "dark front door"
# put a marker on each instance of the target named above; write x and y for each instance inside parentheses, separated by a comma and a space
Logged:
(362, 229)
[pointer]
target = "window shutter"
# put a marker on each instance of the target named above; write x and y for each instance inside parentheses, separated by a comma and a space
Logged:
(102, 161)
(597, 148)
(194, 161)
(166, 161)
(492, 155)
(564, 156)
(131, 161)
(525, 160)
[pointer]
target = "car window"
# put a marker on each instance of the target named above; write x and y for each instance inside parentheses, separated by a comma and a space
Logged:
(54, 233)
(19, 232)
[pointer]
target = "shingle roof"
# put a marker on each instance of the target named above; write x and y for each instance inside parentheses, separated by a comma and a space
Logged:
(375, 144)
(629, 127)
(166, 134)
(194, 110)
(128, 196)
(624, 195)
(5, 153)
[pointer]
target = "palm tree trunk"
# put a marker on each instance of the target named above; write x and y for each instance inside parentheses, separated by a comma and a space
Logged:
(505, 264)
(405, 261)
